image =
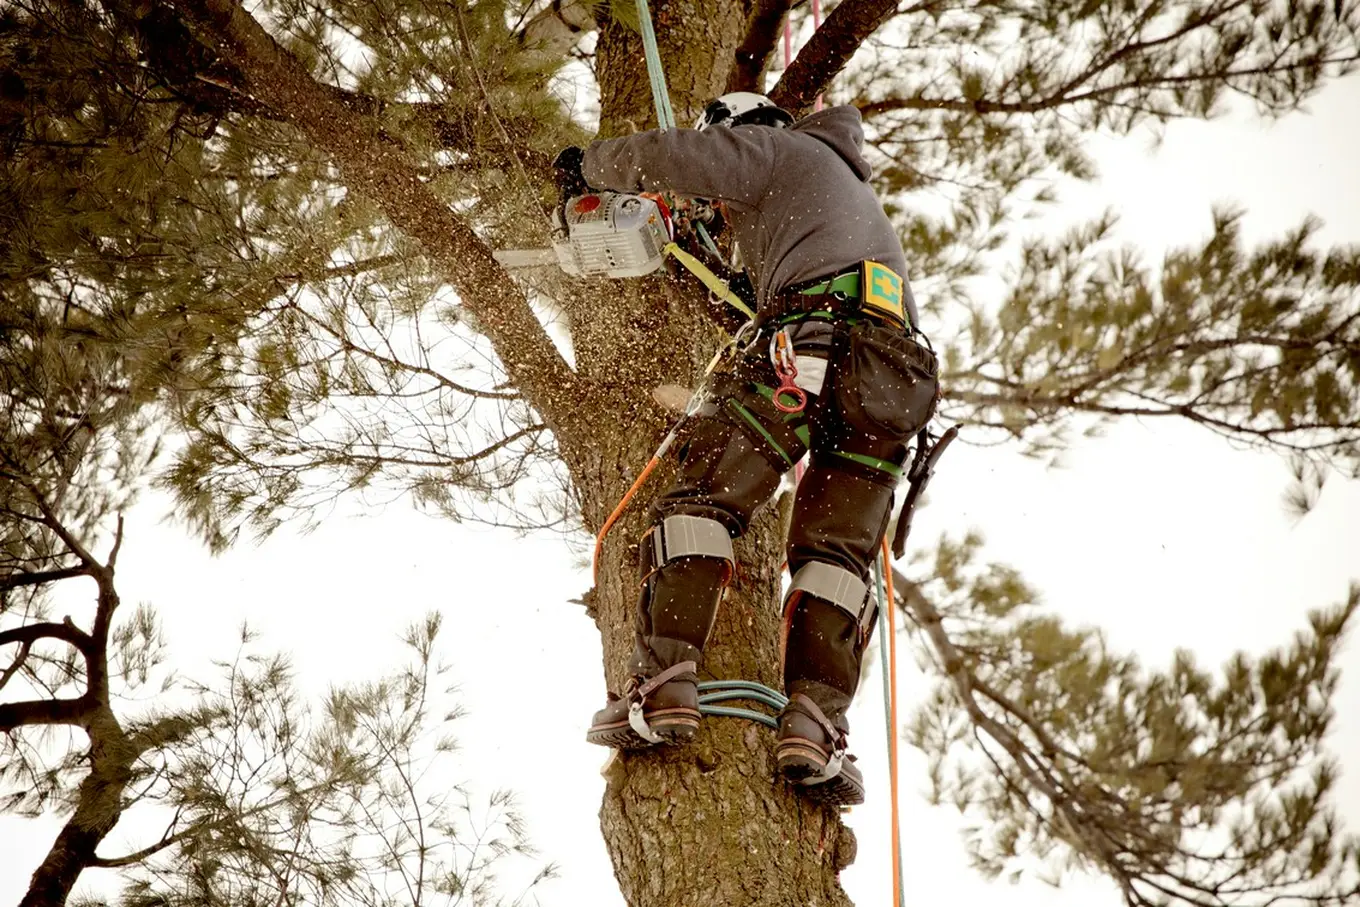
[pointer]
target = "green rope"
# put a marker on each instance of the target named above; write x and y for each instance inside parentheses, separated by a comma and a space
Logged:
(887, 696)
(665, 117)
(712, 692)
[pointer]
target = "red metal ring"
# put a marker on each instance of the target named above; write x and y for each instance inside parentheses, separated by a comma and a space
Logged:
(794, 391)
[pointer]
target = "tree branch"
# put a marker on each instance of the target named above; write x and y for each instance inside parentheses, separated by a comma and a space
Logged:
(35, 712)
(350, 346)
(1067, 823)
(138, 856)
(19, 580)
(30, 633)
(215, 86)
(16, 664)
(762, 37)
(385, 174)
(1062, 99)
(831, 47)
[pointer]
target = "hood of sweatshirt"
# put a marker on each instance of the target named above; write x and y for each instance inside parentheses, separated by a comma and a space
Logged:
(841, 128)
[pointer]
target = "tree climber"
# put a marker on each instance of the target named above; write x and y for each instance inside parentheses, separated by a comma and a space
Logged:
(836, 328)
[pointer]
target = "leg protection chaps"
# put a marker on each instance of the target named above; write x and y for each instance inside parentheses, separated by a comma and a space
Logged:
(686, 562)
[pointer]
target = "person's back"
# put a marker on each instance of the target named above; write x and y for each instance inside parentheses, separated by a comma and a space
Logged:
(798, 199)
(819, 215)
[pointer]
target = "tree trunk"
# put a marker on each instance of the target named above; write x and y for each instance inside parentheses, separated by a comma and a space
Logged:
(706, 823)
(99, 804)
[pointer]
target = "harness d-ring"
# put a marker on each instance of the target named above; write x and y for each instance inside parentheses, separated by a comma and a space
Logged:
(786, 367)
(789, 389)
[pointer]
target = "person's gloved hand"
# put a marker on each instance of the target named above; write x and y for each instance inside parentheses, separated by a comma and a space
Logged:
(567, 171)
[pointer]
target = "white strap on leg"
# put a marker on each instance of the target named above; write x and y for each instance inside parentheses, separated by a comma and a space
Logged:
(680, 536)
(837, 586)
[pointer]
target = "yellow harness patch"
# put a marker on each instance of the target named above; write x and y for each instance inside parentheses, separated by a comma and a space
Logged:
(880, 290)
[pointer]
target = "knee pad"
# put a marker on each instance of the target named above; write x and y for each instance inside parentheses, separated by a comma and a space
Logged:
(830, 609)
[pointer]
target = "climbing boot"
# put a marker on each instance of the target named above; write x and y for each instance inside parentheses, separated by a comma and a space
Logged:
(685, 562)
(810, 748)
(828, 619)
(658, 705)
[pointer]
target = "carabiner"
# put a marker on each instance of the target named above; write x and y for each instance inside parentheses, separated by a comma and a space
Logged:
(786, 367)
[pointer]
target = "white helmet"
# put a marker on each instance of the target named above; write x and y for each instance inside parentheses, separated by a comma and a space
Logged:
(738, 107)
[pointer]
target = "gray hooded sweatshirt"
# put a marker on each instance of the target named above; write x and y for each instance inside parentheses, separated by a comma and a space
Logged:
(798, 199)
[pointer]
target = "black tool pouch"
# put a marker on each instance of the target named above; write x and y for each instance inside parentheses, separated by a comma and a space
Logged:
(885, 384)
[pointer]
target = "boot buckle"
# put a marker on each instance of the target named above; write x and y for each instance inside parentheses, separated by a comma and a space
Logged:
(638, 722)
(833, 766)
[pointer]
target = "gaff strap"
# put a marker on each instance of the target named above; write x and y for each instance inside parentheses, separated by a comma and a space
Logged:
(837, 586)
(680, 536)
(803, 703)
(637, 719)
(716, 285)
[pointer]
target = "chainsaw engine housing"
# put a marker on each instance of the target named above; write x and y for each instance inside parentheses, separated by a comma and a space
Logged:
(610, 234)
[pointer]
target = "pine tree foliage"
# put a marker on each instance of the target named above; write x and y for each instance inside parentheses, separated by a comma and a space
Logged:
(981, 105)
(134, 259)
(333, 355)
(349, 804)
(257, 799)
(272, 228)
(1181, 786)
(1261, 346)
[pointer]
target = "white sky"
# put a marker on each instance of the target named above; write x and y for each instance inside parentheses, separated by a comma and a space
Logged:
(1160, 533)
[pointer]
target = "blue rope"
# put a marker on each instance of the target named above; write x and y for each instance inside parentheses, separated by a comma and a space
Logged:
(712, 692)
(665, 117)
(887, 698)
(721, 711)
(771, 697)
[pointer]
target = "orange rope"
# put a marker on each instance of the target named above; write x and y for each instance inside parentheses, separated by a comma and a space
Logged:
(892, 712)
(618, 512)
